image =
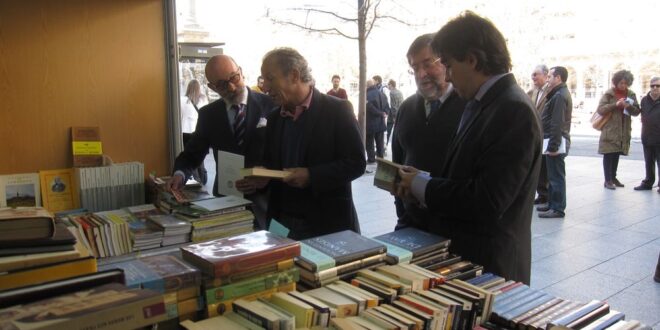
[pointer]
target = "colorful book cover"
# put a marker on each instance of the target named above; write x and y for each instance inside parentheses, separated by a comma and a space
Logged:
(59, 190)
(19, 190)
(235, 254)
(251, 285)
(414, 240)
(162, 273)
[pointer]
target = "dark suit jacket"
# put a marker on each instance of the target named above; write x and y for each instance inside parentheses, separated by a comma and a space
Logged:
(213, 131)
(332, 150)
(377, 106)
(485, 193)
(423, 143)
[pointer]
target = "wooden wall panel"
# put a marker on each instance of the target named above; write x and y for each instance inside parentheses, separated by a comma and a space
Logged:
(82, 63)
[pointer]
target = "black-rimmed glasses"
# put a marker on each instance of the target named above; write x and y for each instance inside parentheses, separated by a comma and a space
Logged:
(234, 78)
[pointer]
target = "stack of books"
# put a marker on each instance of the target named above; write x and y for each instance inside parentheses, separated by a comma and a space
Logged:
(175, 230)
(144, 233)
(247, 266)
(110, 306)
(327, 258)
(34, 249)
(169, 275)
(192, 191)
(217, 217)
(411, 245)
(110, 187)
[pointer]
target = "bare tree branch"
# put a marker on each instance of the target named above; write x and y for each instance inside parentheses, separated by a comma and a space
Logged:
(308, 10)
(373, 19)
(398, 20)
(333, 31)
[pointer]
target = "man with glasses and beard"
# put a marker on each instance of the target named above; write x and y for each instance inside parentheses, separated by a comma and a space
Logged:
(234, 123)
(425, 124)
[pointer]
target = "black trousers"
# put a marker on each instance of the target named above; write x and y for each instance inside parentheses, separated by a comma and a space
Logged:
(651, 159)
(542, 187)
(380, 147)
(390, 125)
(610, 165)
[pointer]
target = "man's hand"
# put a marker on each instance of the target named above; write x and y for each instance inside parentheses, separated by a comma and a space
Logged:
(249, 185)
(298, 178)
(174, 183)
(403, 187)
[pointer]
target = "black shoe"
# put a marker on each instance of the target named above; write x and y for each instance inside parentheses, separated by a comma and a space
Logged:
(656, 277)
(543, 208)
(643, 186)
(609, 185)
(540, 200)
(551, 214)
(371, 162)
(617, 183)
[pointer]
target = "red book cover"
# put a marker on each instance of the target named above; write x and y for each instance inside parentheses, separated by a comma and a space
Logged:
(235, 254)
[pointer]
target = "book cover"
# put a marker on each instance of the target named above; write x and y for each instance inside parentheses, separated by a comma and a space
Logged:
(327, 251)
(110, 306)
(417, 241)
(303, 312)
(221, 203)
(229, 255)
(48, 272)
(20, 190)
(86, 146)
(229, 171)
(59, 190)
(25, 223)
(162, 273)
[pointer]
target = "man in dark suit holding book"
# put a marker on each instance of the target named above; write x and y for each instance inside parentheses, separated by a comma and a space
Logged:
(484, 194)
(235, 123)
(316, 138)
(426, 123)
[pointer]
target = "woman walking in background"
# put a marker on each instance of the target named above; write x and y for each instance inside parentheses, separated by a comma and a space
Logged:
(619, 103)
(190, 105)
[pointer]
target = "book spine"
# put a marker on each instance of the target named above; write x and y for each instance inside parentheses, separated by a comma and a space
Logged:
(245, 311)
(259, 259)
(250, 286)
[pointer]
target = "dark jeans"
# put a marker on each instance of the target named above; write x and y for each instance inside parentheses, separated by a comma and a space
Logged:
(610, 165)
(542, 187)
(389, 131)
(651, 159)
(556, 182)
(380, 148)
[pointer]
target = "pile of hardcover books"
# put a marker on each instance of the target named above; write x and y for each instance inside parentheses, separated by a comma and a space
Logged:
(247, 266)
(169, 275)
(94, 301)
(411, 245)
(217, 217)
(175, 230)
(35, 249)
(144, 233)
(327, 258)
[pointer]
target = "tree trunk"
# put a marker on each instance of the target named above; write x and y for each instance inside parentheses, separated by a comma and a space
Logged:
(362, 84)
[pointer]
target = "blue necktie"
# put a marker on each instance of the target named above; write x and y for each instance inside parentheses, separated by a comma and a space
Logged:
(435, 105)
(239, 124)
(470, 109)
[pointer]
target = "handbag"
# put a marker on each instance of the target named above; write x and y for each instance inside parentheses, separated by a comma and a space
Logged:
(598, 120)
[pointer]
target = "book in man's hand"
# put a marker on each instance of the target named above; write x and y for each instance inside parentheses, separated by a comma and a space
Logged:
(387, 174)
(264, 172)
(24, 223)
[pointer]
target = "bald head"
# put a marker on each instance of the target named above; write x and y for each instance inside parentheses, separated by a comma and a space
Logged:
(225, 77)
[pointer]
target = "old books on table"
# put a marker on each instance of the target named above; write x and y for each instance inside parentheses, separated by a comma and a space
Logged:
(246, 266)
(328, 257)
(414, 246)
(62, 240)
(25, 223)
(168, 274)
(86, 146)
(217, 217)
(59, 190)
(111, 187)
(175, 230)
(109, 306)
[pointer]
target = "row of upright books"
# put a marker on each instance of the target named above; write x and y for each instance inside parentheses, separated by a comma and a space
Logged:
(111, 187)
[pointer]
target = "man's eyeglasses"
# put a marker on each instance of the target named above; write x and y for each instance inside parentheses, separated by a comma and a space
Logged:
(222, 84)
(426, 65)
(655, 86)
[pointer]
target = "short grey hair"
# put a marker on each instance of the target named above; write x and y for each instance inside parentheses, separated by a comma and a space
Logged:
(654, 79)
(289, 59)
(543, 68)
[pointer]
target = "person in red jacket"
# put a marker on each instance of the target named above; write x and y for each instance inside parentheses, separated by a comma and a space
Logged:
(336, 91)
